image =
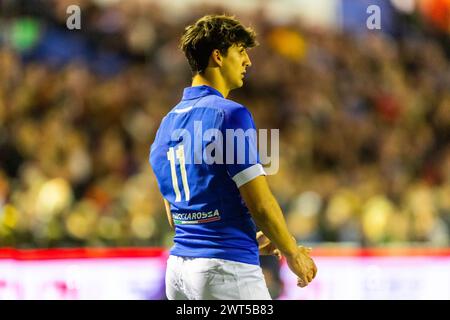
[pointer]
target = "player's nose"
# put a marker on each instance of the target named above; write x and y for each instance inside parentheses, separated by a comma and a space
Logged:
(247, 62)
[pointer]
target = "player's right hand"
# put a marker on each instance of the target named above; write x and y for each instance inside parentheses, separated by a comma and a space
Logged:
(302, 265)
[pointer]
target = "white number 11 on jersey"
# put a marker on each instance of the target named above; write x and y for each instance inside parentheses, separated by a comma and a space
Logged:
(179, 153)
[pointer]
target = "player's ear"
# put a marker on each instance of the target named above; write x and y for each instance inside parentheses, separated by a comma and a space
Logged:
(216, 57)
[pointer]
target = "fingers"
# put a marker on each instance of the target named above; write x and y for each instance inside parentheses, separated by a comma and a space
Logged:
(266, 247)
(306, 279)
(314, 269)
(312, 273)
(277, 253)
(262, 240)
(301, 283)
(310, 276)
(264, 243)
(303, 266)
(263, 246)
(306, 249)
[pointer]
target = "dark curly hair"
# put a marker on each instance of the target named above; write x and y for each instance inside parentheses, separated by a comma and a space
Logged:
(213, 32)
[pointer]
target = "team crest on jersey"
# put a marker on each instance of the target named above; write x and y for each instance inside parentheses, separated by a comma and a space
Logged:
(196, 217)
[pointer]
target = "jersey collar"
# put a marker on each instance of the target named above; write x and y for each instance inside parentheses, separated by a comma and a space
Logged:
(199, 91)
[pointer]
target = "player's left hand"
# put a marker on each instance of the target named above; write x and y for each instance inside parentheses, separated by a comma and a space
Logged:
(266, 247)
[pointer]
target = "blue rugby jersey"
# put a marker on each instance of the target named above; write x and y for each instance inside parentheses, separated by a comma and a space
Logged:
(199, 175)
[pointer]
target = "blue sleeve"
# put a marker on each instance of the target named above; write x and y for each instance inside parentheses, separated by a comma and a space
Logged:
(240, 147)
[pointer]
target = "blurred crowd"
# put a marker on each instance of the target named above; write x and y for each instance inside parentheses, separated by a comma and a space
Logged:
(364, 126)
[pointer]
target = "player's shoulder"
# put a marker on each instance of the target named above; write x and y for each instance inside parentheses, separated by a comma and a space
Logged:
(221, 103)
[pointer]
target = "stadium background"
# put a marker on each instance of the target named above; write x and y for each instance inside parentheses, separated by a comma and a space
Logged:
(364, 119)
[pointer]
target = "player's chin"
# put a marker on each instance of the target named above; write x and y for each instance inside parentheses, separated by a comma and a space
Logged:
(239, 83)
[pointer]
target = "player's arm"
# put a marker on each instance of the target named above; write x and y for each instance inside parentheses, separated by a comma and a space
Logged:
(168, 213)
(268, 216)
(249, 178)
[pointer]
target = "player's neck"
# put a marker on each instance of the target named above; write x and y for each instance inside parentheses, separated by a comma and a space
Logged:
(213, 80)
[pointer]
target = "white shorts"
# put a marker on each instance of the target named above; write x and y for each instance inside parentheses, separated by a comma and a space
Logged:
(214, 279)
